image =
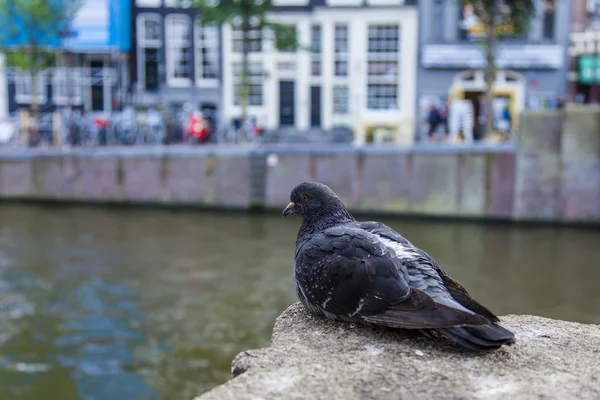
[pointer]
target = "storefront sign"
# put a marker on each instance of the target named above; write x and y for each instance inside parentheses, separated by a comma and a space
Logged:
(508, 56)
(589, 67)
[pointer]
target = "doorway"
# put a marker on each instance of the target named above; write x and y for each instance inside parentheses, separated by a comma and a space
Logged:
(97, 77)
(286, 103)
(474, 96)
(315, 106)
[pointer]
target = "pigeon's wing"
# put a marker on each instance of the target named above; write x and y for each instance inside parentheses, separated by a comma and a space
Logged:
(425, 273)
(351, 274)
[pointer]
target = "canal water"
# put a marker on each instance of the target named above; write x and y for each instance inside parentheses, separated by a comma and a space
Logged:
(111, 304)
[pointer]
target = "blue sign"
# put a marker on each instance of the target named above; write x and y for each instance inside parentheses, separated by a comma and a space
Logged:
(98, 26)
(101, 26)
(15, 32)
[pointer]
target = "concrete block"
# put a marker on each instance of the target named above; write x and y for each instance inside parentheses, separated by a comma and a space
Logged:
(540, 132)
(580, 192)
(185, 179)
(500, 187)
(142, 178)
(290, 170)
(339, 172)
(51, 178)
(99, 178)
(471, 183)
(229, 181)
(385, 182)
(581, 134)
(537, 190)
(433, 184)
(538, 168)
(16, 178)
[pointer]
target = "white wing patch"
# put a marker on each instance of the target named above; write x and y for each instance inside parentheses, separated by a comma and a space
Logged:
(402, 251)
(408, 252)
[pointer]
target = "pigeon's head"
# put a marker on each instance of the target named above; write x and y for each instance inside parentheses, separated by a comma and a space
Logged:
(313, 199)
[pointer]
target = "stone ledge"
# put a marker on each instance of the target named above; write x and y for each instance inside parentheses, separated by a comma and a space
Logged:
(313, 359)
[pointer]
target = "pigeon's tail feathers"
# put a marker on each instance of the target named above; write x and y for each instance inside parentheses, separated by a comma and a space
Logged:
(479, 338)
(419, 311)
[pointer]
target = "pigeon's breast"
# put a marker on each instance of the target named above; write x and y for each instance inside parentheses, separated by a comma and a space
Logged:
(305, 300)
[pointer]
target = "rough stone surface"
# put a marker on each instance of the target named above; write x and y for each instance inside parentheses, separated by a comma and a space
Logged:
(312, 358)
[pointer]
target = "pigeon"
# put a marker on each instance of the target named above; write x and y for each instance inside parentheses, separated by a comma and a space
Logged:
(367, 273)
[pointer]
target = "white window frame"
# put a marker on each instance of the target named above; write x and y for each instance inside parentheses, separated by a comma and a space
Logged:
(23, 81)
(255, 79)
(316, 55)
(342, 56)
(148, 3)
(105, 78)
(336, 100)
(254, 35)
(175, 44)
(144, 43)
(199, 44)
(64, 79)
(391, 80)
(344, 3)
(178, 3)
(287, 3)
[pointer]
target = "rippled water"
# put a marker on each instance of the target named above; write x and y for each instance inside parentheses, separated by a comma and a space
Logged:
(122, 304)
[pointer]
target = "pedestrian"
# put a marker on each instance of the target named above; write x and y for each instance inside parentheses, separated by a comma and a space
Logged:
(433, 120)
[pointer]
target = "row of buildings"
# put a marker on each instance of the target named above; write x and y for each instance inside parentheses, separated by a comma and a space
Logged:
(362, 63)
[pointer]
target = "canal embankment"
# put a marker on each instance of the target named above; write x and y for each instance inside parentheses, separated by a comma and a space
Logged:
(550, 174)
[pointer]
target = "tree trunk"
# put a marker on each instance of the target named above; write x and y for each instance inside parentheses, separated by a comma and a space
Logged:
(490, 73)
(244, 91)
(33, 135)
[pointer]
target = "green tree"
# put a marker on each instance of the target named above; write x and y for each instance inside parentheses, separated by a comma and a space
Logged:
(30, 36)
(250, 16)
(500, 19)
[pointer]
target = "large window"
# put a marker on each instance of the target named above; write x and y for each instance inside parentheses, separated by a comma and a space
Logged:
(254, 38)
(438, 18)
(207, 53)
(255, 83)
(548, 19)
(382, 70)
(23, 87)
(341, 50)
(315, 48)
(68, 86)
(150, 41)
(148, 3)
(179, 50)
(340, 99)
(97, 79)
(178, 3)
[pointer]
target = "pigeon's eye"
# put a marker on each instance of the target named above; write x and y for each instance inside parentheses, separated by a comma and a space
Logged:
(304, 197)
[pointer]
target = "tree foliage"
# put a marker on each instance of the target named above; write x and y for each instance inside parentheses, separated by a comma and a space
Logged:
(517, 13)
(33, 28)
(248, 16)
(30, 35)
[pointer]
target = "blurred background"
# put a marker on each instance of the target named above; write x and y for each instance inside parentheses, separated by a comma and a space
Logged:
(464, 109)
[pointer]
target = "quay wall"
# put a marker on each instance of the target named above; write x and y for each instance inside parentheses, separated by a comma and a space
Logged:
(551, 174)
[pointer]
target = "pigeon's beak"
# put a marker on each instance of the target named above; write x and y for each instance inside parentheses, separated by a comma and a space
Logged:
(290, 209)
